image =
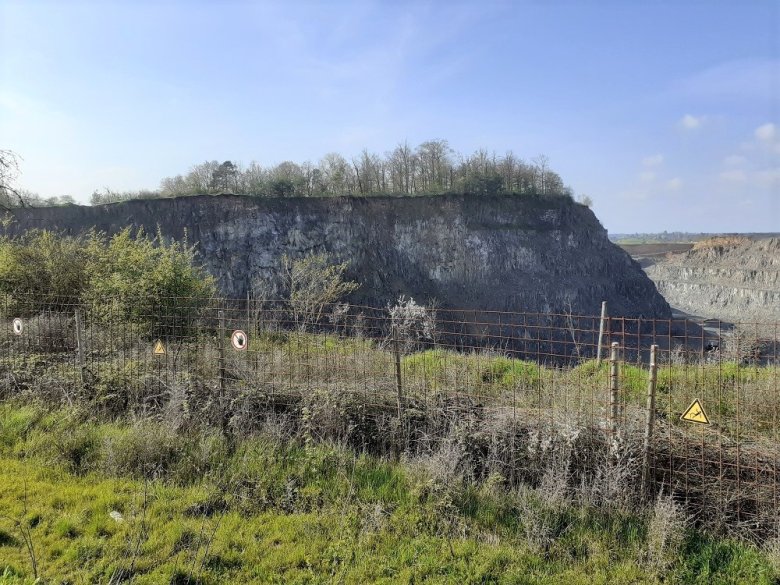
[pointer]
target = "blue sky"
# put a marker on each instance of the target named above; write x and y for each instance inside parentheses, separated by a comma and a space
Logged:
(665, 113)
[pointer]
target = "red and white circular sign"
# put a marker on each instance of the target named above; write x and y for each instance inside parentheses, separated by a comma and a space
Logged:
(239, 340)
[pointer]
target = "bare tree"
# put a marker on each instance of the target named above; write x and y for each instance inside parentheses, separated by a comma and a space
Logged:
(369, 171)
(585, 200)
(9, 171)
(174, 186)
(199, 177)
(434, 159)
(314, 282)
(542, 163)
(403, 163)
(309, 174)
(336, 174)
(255, 179)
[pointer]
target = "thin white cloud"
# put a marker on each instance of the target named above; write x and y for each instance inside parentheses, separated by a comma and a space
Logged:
(751, 79)
(765, 141)
(653, 160)
(734, 176)
(647, 176)
(691, 122)
(674, 184)
(766, 132)
(734, 160)
(768, 177)
(635, 195)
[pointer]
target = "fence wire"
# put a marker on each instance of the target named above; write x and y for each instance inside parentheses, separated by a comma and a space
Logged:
(510, 388)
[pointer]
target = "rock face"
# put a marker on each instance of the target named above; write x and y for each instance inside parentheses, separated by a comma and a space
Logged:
(496, 253)
(736, 281)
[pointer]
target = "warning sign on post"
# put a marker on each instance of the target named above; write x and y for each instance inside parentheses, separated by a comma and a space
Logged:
(695, 413)
(159, 348)
(239, 340)
(18, 326)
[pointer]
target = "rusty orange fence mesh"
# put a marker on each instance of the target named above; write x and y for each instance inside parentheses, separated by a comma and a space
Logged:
(511, 388)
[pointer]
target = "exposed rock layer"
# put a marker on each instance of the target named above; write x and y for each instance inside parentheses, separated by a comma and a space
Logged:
(498, 253)
(738, 282)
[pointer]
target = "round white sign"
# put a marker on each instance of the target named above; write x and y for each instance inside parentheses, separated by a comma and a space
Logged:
(239, 340)
(18, 326)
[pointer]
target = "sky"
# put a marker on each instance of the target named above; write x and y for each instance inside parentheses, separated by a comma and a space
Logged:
(666, 114)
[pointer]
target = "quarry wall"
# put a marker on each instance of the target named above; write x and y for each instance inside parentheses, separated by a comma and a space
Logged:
(508, 253)
(739, 282)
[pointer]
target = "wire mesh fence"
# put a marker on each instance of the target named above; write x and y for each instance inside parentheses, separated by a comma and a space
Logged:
(514, 390)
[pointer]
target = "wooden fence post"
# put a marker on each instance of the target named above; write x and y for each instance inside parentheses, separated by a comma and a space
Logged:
(649, 421)
(80, 345)
(601, 332)
(249, 324)
(613, 389)
(221, 350)
(398, 381)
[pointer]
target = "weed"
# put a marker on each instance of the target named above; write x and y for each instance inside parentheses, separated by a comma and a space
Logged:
(665, 535)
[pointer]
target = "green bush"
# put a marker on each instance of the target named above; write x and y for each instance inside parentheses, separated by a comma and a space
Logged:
(127, 278)
(41, 267)
(145, 281)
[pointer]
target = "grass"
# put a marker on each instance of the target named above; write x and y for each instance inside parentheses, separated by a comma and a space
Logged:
(438, 370)
(256, 491)
(271, 511)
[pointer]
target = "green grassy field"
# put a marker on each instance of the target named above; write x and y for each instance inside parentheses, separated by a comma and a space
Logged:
(137, 473)
(193, 509)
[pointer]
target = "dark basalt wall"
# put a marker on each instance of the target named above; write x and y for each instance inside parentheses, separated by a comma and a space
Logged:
(499, 253)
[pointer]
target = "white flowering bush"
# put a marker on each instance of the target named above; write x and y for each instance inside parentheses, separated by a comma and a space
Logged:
(412, 323)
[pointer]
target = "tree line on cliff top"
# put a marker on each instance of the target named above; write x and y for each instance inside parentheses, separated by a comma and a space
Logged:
(429, 169)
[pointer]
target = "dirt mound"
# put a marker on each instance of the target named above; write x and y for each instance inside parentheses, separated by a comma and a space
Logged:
(721, 242)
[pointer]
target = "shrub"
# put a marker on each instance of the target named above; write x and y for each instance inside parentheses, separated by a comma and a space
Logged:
(665, 535)
(40, 268)
(51, 332)
(314, 282)
(145, 281)
(413, 323)
(127, 278)
(142, 450)
(117, 388)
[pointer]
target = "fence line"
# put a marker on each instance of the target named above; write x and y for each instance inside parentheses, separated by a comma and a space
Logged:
(408, 378)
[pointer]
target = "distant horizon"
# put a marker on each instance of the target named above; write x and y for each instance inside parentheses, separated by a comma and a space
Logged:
(759, 234)
(667, 115)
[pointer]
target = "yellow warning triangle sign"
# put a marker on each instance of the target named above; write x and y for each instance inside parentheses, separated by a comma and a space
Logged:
(159, 348)
(695, 413)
